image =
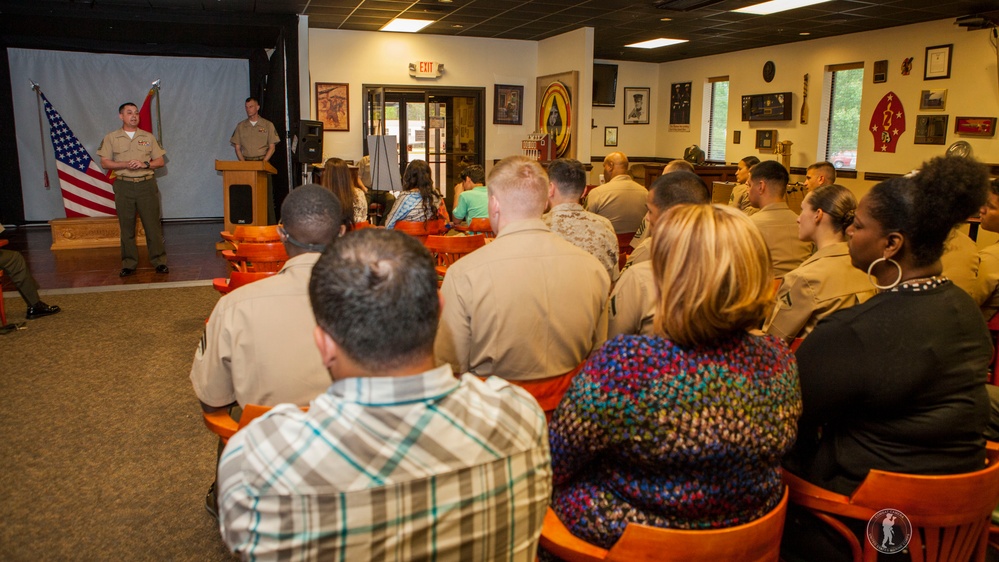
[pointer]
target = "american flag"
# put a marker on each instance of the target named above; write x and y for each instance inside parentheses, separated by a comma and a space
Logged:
(86, 189)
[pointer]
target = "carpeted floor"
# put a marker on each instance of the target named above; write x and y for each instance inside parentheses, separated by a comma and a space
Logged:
(104, 454)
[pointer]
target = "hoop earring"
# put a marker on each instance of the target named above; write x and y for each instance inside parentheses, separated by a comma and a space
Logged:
(884, 287)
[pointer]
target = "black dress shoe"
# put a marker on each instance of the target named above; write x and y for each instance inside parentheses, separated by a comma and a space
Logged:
(126, 271)
(41, 309)
(162, 268)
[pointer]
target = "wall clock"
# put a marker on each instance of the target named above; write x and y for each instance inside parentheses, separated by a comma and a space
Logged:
(769, 69)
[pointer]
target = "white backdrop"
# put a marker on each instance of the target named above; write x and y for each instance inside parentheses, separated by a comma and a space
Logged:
(201, 100)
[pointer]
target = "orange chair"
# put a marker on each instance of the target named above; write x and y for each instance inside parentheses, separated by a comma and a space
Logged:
(420, 229)
(476, 226)
(221, 423)
(624, 248)
(269, 256)
(361, 225)
(949, 514)
(237, 279)
(756, 541)
(243, 233)
(448, 249)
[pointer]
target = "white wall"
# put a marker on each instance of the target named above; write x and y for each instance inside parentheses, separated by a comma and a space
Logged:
(633, 140)
(565, 53)
(358, 57)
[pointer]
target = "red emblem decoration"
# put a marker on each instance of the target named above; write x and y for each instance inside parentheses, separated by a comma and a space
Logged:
(887, 123)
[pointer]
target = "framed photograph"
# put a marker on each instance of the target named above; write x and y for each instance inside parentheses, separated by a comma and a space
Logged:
(610, 136)
(556, 115)
(508, 105)
(930, 100)
(679, 104)
(938, 62)
(931, 129)
(766, 139)
(333, 106)
(975, 126)
(880, 71)
(736, 137)
(636, 106)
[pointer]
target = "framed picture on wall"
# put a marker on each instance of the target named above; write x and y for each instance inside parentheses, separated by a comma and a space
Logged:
(636, 106)
(938, 62)
(610, 136)
(765, 139)
(933, 99)
(333, 106)
(976, 126)
(931, 129)
(556, 115)
(508, 105)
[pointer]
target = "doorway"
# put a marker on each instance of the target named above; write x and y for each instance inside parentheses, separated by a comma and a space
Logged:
(444, 126)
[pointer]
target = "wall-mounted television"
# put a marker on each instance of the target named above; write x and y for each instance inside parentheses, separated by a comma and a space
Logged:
(604, 84)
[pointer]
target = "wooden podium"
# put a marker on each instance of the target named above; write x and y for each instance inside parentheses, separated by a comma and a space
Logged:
(244, 192)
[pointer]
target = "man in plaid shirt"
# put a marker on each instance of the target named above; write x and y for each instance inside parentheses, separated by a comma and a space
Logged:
(397, 460)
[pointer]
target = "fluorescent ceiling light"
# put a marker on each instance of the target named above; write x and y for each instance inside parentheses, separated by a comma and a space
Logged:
(775, 6)
(656, 43)
(406, 25)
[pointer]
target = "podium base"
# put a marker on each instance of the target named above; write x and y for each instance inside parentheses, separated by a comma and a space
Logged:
(91, 232)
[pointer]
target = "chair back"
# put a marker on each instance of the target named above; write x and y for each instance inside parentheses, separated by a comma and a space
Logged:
(268, 256)
(476, 226)
(361, 225)
(420, 229)
(756, 541)
(221, 423)
(251, 233)
(237, 279)
(448, 249)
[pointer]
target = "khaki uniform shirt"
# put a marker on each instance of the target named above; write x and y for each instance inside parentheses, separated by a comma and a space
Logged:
(585, 230)
(116, 146)
(622, 201)
(258, 346)
(740, 199)
(779, 226)
(527, 306)
(825, 283)
(960, 261)
(633, 302)
(986, 293)
(254, 140)
(642, 252)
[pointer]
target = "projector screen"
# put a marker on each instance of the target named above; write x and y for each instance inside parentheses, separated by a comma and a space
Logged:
(201, 100)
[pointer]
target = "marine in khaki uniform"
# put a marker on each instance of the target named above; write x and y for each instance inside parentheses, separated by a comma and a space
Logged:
(961, 261)
(621, 200)
(986, 292)
(134, 154)
(740, 193)
(777, 223)
(633, 302)
(827, 281)
(668, 190)
(255, 138)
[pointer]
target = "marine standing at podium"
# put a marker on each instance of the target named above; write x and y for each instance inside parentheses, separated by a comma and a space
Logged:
(133, 154)
(255, 139)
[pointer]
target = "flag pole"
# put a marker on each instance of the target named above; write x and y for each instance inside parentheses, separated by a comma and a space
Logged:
(159, 123)
(41, 131)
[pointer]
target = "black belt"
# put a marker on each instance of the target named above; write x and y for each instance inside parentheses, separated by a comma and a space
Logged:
(133, 180)
(253, 158)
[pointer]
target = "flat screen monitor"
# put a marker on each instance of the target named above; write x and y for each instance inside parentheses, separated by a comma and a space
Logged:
(604, 84)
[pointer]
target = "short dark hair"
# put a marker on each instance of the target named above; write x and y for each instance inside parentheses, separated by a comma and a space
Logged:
(475, 173)
(826, 168)
(750, 161)
(676, 188)
(311, 214)
(772, 171)
(251, 98)
(374, 291)
(568, 175)
(126, 104)
(945, 192)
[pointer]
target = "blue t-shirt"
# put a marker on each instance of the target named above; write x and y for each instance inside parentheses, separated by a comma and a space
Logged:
(473, 204)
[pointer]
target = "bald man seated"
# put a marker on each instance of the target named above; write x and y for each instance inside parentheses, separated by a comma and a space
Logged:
(778, 223)
(621, 200)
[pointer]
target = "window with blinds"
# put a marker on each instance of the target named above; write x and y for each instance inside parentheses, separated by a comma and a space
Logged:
(843, 128)
(718, 119)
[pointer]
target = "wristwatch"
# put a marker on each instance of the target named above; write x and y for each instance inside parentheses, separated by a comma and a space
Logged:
(147, 165)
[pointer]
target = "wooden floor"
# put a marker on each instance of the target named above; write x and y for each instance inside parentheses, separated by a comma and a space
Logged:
(190, 248)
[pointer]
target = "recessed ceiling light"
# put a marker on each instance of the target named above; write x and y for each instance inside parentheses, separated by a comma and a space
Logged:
(656, 43)
(665, 19)
(775, 6)
(804, 33)
(457, 25)
(406, 25)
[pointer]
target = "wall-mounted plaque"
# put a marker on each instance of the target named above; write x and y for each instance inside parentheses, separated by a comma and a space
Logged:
(767, 107)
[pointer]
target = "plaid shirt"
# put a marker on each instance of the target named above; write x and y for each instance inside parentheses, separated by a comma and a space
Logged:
(413, 468)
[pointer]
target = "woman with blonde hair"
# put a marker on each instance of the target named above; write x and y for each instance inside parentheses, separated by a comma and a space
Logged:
(684, 428)
(826, 281)
(337, 178)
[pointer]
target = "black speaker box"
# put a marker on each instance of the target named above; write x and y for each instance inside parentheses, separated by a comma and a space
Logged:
(240, 203)
(310, 142)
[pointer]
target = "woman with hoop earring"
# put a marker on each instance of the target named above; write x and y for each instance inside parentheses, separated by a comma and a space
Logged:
(896, 383)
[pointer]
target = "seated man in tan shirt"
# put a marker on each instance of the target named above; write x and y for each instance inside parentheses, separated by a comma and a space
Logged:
(621, 200)
(777, 223)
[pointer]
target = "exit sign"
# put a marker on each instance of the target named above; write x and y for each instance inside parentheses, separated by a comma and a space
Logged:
(426, 69)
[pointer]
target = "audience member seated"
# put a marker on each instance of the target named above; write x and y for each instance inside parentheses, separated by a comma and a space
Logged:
(634, 300)
(529, 306)
(678, 165)
(419, 201)
(777, 223)
(621, 199)
(896, 383)
(960, 260)
(740, 193)
(827, 281)
(644, 230)
(13, 265)
(568, 219)
(353, 203)
(986, 293)
(473, 198)
(397, 460)
(667, 430)
(819, 174)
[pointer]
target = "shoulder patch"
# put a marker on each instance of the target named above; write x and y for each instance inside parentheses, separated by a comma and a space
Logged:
(785, 299)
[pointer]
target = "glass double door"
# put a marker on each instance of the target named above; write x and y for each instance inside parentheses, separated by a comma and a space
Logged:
(443, 126)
